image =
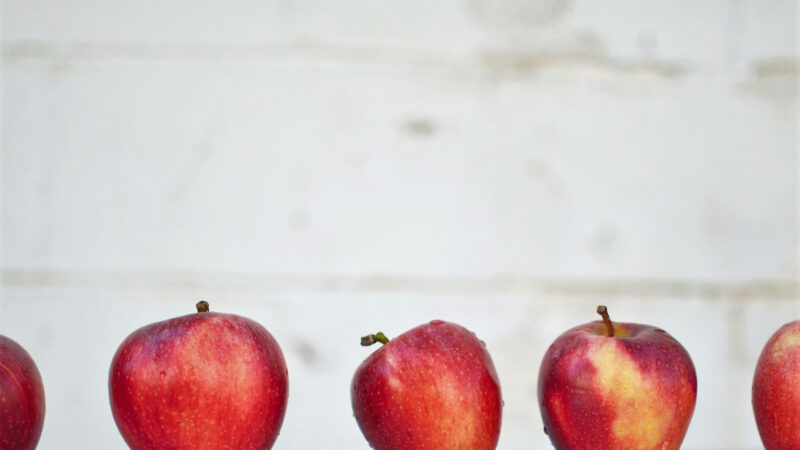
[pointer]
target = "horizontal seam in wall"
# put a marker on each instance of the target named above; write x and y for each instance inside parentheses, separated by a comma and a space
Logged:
(515, 285)
(510, 61)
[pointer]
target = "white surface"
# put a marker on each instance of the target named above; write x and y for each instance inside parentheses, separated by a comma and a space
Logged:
(307, 167)
(334, 168)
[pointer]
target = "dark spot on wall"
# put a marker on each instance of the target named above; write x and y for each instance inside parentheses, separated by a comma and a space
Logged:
(307, 352)
(419, 127)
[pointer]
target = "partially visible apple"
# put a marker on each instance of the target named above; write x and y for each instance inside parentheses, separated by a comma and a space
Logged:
(776, 389)
(21, 398)
(431, 388)
(616, 386)
(201, 381)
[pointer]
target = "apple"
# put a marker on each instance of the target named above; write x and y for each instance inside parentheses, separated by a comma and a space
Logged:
(202, 381)
(21, 398)
(611, 385)
(431, 388)
(776, 389)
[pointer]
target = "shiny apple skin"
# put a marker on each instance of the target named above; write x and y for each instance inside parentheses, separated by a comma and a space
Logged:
(202, 381)
(22, 404)
(598, 392)
(776, 389)
(432, 388)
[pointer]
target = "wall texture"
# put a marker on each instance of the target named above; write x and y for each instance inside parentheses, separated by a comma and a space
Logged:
(334, 168)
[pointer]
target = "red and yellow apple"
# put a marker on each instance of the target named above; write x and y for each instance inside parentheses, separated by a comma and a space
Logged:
(21, 398)
(431, 388)
(776, 389)
(202, 381)
(616, 386)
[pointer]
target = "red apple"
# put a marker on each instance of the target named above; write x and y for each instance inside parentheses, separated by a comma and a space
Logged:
(433, 387)
(21, 398)
(616, 386)
(776, 389)
(202, 381)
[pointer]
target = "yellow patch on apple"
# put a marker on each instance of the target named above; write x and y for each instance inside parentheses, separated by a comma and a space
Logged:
(639, 417)
(784, 343)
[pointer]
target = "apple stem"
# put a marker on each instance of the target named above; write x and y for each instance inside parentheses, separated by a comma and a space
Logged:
(202, 306)
(370, 339)
(603, 311)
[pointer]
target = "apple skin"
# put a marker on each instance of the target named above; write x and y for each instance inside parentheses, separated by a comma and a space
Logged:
(636, 390)
(21, 398)
(201, 381)
(433, 387)
(776, 389)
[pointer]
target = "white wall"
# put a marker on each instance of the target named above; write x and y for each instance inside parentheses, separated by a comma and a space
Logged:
(334, 168)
